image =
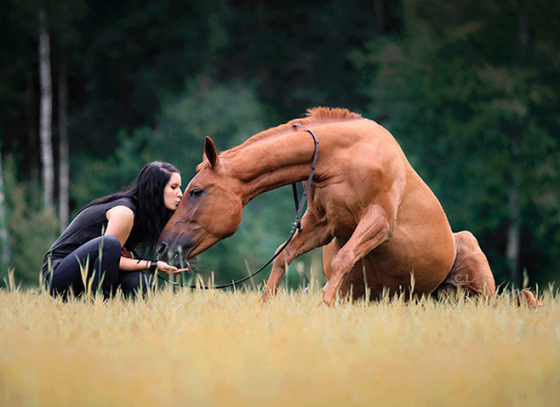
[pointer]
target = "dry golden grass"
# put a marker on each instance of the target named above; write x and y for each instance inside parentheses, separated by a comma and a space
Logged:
(221, 348)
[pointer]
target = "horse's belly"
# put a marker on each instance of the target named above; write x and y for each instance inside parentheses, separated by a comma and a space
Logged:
(427, 260)
(395, 264)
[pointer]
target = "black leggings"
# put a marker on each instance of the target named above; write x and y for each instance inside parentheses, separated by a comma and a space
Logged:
(102, 256)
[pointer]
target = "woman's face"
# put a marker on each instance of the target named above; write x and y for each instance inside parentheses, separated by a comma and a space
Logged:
(172, 192)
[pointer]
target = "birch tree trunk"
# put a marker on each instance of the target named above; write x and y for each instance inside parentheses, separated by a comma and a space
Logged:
(514, 197)
(514, 229)
(4, 242)
(64, 167)
(35, 162)
(45, 120)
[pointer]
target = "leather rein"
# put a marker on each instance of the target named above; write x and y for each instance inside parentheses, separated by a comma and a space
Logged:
(296, 226)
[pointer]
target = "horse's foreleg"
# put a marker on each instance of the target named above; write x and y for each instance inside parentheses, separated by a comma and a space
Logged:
(315, 233)
(329, 251)
(373, 229)
(527, 297)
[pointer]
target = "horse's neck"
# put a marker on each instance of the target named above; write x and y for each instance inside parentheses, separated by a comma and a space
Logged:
(273, 162)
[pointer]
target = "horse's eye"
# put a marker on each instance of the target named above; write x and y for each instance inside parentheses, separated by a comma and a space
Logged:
(195, 193)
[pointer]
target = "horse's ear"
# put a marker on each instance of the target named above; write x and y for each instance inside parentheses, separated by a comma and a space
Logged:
(210, 151)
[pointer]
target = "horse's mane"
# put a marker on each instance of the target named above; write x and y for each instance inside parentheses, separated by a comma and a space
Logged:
(326, 115)
(315, 116)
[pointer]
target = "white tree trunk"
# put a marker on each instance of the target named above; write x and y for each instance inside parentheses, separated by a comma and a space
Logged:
(513, 247)
(35, 162)
(514, 234)
(45, 120)
(4, 242)
(64, 166)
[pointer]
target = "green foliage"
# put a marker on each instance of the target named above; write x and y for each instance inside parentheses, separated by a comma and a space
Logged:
(97, 177)
(31, 229)
(228, 113)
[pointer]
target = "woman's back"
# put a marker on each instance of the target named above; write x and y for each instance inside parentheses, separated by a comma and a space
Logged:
(90, 223)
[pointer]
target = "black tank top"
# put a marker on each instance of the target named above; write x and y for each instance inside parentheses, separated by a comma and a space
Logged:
(89, 224)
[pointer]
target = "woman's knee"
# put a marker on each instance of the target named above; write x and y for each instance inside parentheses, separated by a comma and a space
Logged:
(110, 243)
(110, 248)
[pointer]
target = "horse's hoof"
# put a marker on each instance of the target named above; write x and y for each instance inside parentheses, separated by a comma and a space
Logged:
(327, 299)
(529, 298)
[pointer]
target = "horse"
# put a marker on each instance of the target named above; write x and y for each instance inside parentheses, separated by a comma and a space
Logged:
(381, 227)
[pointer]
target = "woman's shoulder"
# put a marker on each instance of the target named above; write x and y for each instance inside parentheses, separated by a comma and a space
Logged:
(123, 201)
(121, 211)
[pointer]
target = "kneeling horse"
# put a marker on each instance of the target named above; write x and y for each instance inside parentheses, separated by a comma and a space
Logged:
(380, 225)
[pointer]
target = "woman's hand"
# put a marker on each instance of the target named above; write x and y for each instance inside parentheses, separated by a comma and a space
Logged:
(168, 269)
(126, 253)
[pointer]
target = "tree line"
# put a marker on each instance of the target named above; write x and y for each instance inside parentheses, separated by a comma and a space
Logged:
(90, 91)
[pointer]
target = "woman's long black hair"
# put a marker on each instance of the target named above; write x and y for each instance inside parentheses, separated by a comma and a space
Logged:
(146, 193)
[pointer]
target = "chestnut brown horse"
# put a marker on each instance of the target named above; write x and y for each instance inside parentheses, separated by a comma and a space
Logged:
(381, 225)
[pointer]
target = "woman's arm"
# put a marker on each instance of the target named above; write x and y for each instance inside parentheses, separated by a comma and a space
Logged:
(128, 264)
(121, 220)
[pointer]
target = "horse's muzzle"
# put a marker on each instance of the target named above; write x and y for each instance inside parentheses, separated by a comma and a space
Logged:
(173, 253)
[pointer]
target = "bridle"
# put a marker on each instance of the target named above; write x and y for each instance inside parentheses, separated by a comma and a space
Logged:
(296, 226)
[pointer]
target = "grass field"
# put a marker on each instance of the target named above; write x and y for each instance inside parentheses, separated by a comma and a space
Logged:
(207, 348)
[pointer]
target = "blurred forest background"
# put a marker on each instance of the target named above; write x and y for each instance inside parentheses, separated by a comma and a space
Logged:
(92, 90)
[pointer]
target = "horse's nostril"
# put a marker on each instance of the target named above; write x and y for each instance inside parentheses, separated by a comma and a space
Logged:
(162, 249)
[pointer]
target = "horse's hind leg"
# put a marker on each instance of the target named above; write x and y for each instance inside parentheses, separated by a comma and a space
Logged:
(471, 270)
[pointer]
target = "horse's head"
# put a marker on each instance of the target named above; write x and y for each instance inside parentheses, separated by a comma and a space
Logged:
(210, 211)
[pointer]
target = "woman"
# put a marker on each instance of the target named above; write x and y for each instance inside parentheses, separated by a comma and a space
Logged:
(104, 233)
